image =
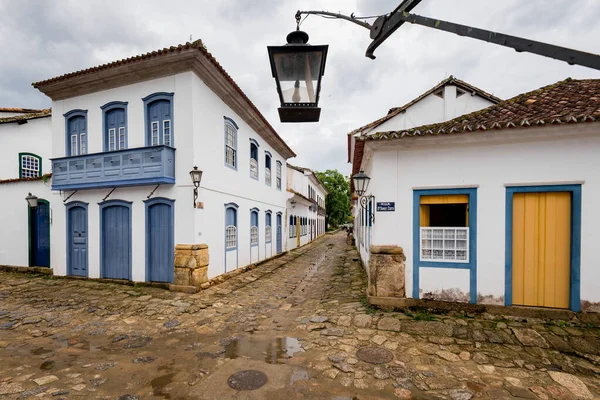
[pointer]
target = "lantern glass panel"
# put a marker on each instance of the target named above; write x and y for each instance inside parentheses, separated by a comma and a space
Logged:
(298, 75)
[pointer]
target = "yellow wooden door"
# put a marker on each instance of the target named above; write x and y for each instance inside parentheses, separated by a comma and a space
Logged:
(541, 241)
(298, 231)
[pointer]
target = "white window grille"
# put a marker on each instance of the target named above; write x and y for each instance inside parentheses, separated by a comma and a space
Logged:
(121, 138)
(112, 139)
(268, 234)
(74, 147)
(254, 168)
(155, 135)
(278, 172)
(230, 237)
(167, 132)
(82, 144)
(291, 231)
(230, 145)
(445, 244)
(254, 235)
(30, 167)
(268, 176)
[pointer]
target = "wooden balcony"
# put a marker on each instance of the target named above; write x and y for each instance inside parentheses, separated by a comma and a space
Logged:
(131, 167)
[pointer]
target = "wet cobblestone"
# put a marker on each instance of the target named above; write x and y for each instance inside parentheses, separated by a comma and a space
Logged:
(303, 313)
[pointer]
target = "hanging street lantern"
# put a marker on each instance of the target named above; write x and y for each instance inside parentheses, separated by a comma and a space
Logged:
(196, 176)
(298, 68)
(361, 183)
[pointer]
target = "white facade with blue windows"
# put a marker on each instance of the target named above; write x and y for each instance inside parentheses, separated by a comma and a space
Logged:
(124, 139)
(493, 207)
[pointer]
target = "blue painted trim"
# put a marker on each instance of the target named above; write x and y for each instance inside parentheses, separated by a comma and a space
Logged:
(254, 142)
(106, 204)
(279, 226)
(231, 121)
(270, 213)
(254, 210)
(130, 182)
(233, 124)
(150, 99)
(471, 265)
(267, 152)
(280, 165)
(68, 207)
(68, 116)
(575, 271)
(113, 105)
(171, 203)
(237, 235)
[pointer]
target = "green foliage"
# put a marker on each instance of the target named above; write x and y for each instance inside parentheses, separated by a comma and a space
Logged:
(420, 315)
(369, 309)
(338, 199)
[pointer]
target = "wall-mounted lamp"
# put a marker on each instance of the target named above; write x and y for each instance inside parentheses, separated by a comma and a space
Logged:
(293, 203)
(361, 184)
(32, 200)
(196, 176)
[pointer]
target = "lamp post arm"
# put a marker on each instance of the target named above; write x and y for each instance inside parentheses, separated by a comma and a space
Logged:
(519, 44)
(335, 15)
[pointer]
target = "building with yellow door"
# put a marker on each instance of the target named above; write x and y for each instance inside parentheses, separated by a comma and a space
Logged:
(497, 206)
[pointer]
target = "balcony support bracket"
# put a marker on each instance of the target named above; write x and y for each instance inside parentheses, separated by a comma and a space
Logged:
(68, 197)
(152, 192)
(109, 193)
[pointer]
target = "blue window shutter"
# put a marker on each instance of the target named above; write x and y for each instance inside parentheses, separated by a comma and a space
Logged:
(231, 217)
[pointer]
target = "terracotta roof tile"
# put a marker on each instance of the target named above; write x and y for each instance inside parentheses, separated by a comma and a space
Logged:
(20, 110)
(25, 117)
(568, 101)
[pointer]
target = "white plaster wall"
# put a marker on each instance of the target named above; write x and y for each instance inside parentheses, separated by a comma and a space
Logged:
(222, 184)
(14, 228)
(432, 109)
(490, 166)
(33, 137)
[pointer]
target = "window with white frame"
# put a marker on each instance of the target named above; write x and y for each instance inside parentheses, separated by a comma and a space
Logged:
(254, 160)
(445, 244)
(278, 175)
(167, 132)
(230, 227)
(30, 165)
(155, 133)
(268, 227)
(76, 123)
(230, 145)
(114, 115)
(267, 169)
(444, 231)
(159, 119)
(291, 225)
(230, 237)
(254, 227)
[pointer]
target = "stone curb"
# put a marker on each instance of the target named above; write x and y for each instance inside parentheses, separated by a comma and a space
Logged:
(26, 270)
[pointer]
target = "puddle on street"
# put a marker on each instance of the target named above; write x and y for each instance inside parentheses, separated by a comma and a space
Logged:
(268, 350)
(298, 375)
(158, 384)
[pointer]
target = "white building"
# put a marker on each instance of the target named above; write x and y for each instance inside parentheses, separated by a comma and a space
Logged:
(125, 136)
(305, 206)
(497, 206)
(25, 145)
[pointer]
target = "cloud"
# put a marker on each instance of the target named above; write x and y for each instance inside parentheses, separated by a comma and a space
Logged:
(42, 39)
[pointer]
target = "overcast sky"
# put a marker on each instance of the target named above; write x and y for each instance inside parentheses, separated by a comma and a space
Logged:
(42, 39)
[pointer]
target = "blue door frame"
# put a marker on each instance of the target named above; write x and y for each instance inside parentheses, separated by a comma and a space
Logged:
(115, 239)
(575, 272)
(279, 232)
(77, 238)
(160, 239)
(471, 265)
(39, 234)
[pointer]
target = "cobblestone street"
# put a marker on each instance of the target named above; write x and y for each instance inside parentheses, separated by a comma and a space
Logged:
(301, 319)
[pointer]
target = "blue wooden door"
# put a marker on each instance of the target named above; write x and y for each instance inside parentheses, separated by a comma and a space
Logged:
(278, 233)
(159, 122)
(115, 135)
(39, 235)
(116, 242)
(77, 138)
(77, 241)
(160, 242)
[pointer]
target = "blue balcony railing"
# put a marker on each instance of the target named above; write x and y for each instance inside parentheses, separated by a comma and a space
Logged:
(131, 167)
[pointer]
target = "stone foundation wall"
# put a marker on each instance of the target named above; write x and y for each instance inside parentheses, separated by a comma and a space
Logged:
(191, 265)
(386, 271)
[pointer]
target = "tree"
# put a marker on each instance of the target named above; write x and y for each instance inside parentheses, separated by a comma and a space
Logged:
(338, 197)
